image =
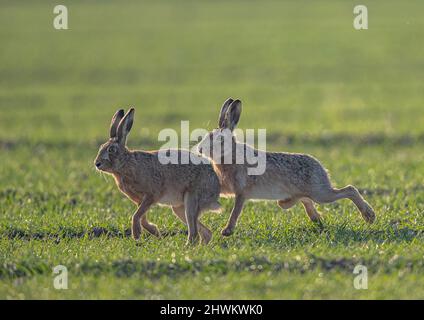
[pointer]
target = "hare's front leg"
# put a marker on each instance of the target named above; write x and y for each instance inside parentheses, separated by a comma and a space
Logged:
(192, 211)
(235, 213)
(287, 204)
(205, 233)
(137, 218)
(308, 204)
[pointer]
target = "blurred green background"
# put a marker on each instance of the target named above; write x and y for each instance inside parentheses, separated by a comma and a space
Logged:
(354, 99)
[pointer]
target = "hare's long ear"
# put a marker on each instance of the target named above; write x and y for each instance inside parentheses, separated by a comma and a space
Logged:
(221, 120)
(124, 127)
(115, 121)
(232, 116)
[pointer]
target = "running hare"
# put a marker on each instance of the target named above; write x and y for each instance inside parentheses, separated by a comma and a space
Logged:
(188, 188)
(288, 177)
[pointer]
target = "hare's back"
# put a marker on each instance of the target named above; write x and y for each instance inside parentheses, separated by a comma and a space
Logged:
(300, 170)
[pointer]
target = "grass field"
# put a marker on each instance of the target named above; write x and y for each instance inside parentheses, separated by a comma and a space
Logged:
(354, 99)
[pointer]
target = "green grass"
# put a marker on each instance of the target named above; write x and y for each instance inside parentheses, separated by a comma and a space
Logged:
(354, 99)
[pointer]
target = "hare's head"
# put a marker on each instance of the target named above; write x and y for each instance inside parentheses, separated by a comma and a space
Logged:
(112, 154)
(219, 142)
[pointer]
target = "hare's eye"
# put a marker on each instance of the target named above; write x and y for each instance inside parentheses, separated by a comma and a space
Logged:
(112, 149)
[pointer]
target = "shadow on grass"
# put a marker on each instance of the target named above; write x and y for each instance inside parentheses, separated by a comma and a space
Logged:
(70, 233)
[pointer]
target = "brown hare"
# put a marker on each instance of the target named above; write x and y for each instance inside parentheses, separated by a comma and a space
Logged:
(188, 188)
(287, 178)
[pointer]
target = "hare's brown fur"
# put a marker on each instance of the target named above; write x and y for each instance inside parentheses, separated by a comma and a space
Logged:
(288, 178)
(188, 188)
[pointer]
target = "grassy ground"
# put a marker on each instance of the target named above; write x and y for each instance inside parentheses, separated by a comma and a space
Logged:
(354, 99)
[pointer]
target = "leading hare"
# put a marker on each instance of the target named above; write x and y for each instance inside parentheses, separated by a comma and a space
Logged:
(188, 188)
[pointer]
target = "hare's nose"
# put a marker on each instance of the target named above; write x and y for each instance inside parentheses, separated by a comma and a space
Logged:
(98, 164)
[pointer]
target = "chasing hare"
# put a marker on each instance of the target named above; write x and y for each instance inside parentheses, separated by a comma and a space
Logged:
(288, 177)
(188, 188)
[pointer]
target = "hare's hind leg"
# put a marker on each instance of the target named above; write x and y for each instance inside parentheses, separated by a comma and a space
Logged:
(205, 233)
(192, 212)
(349, 192)
(235, 213)
(310, 209)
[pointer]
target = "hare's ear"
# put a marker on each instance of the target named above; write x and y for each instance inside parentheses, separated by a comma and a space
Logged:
(115, 121)
(232, 116)
(221, 120)
(124, 127)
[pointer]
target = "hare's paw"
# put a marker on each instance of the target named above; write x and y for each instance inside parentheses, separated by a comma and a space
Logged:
(136, 231)
(192, 240)
(228, 231)
(206, 236)
(368, 214)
